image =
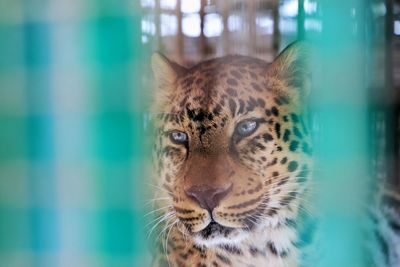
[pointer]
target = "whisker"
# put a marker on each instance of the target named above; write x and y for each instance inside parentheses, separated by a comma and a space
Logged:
(167, 224)
(165, 218)
(160, 188)
(158, 218)
(154, 199)
(153, 211)
(166, 240)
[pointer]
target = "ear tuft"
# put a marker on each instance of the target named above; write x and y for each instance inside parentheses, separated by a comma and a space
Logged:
(292, 67)
(166, 73)
(163, 69)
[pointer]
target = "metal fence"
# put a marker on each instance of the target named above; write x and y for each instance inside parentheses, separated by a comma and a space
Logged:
(72, 100)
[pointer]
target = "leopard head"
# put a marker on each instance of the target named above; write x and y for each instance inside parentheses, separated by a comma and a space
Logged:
(232, 149)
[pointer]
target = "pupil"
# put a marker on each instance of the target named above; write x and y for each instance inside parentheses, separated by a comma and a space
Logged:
(179, 136)
(247, 126)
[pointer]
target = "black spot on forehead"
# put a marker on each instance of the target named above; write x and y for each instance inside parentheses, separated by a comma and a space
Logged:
(253, 75)
(231, 92)
(200, 115)
(232, 82)
(217, 109)
(236, 74)
(251, 104)
(256, 87)
(241, 106)
(261, 102)
(275, 111)
(232, 107)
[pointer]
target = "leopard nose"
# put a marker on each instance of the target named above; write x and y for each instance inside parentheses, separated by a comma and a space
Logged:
(206, 196)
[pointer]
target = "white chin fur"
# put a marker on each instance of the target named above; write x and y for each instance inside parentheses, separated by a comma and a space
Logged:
(236, 238)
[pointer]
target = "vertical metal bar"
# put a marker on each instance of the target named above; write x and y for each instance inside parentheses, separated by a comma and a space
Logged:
(225, 33)
(157, 21)
(276, 34)
(252, 41)
(392, 113)
(202, 41)
(179, 35)
(300, 20)
(340, 107)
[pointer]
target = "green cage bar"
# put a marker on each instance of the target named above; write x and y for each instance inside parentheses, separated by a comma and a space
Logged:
(340, 108)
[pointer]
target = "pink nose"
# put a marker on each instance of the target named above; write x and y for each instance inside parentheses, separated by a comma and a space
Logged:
(206, 196)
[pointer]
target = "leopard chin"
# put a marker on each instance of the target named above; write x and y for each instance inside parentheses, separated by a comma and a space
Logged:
(215, 234)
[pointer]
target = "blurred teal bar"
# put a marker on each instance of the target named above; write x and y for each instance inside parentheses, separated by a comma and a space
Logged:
(340, 116)
(71, 134)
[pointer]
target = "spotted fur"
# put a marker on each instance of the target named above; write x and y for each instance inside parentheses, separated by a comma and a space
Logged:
(267, 173)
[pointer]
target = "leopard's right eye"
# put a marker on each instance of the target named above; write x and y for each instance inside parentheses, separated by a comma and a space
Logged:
(178, 137)
(246, 128)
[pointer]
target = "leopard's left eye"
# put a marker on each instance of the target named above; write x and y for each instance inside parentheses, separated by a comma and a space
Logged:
(246, 128)
(178, 137)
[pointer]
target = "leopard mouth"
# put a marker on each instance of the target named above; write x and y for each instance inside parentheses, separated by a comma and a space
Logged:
(215, 229)
(215, 234)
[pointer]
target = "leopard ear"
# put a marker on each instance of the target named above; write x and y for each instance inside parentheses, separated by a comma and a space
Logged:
(165, 71)
(292, 67)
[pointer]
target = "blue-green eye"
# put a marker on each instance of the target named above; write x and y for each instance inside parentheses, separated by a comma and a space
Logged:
(178, 137)
(246, 128)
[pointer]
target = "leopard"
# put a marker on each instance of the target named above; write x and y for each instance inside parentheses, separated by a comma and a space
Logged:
(233, 164)
(232, 158)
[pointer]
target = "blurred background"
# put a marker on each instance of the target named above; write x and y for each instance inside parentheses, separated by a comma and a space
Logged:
(74, 88)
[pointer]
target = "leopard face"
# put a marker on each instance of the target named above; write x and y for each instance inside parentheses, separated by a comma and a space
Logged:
(232, 150)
